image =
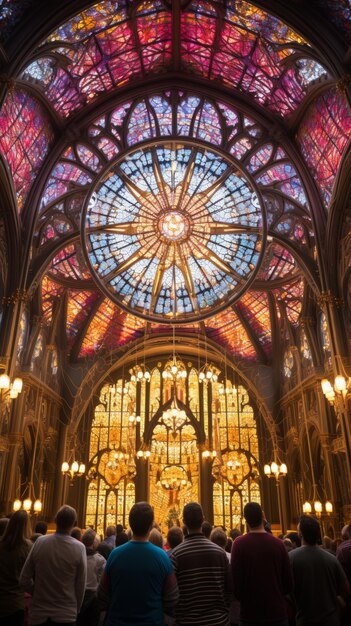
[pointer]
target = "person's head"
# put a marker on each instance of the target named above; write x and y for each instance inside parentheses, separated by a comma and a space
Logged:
(309, 530)
(90, 539)
(193, 516)
(294, 538)
(174, 537)
(288, 544)
(41, 528)
(3, 523)
(76, 533)
(234, 533)
(141, 517)
(121, 538)
(17, 531)
(156, 538)
(119, 529)
(345, 532)
(66, 518)
(219, 537)
(328, 543)
(206, 529)
(253, 515)
(110, 531)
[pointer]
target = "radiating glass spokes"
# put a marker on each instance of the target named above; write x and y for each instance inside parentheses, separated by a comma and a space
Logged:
(174, 232)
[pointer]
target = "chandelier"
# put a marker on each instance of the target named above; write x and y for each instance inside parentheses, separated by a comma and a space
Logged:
(208, 373)
(174, 477)
(75, 469)
(174, 417)
(139, 374)
(174, 371)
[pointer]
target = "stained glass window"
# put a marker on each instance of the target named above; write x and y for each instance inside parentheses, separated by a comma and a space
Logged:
(305, 348)
(25, 136)
(288, 363)
(22, 336)
(238, 44)
(323, 135)
(325, 338)
(111, 465)
(187, 235)
(37, 356)
(236, 464)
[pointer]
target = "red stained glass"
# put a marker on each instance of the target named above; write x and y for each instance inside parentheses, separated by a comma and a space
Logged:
(25, 136)
(227, 330)
(278, 263)
(292, 296)
(323, 136)
(108, 45)
(69, 263)
(79, 307)
(254, 307)
(109, 328)
(50, 291)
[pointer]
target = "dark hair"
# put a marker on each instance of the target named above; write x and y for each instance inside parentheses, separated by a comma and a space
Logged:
(294, 538)
(206, 529)
(174, 536)
(121, 538)
(229, 545)
(119, 529)
(219, 537)
(17, 530)
(76, 533)
(41, 528)
(253, 514)
(310, 530)
(89, 538)
(66, 518)
(141, 516)
(193, 515)
(234, 533)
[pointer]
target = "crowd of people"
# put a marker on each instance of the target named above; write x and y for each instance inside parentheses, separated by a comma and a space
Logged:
(196, 576)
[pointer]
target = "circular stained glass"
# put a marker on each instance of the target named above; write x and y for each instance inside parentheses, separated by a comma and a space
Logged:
(174, 232)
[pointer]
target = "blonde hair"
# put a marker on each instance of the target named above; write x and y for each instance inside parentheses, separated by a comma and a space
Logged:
(156, 538)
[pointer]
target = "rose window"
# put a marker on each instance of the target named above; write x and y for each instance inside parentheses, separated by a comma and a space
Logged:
(174, 232)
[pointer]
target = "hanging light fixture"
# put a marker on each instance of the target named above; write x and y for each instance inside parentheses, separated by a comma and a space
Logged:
(73, 470)
(28, 505)
(10, 389)
(174, 417)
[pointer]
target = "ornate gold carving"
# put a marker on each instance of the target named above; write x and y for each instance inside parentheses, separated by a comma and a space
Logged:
(20, 295)
(327, 297)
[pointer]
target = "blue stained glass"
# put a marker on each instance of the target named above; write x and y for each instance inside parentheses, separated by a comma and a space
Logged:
(163, 112)
(186, 110)
(165, 216)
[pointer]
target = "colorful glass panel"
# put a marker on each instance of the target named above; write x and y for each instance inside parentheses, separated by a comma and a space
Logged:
(25, 136)
(227, 330)
(186, 236)
(108, 45)
(323, 135)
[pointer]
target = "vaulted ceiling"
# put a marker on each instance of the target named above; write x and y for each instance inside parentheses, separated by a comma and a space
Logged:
(173, 163)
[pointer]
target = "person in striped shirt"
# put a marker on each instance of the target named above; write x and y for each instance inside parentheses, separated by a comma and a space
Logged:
(203, 575)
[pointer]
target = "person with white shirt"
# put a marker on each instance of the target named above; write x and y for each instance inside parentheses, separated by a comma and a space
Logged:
(55, 574)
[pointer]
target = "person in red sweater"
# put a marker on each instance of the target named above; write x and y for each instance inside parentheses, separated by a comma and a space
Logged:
(261, 573)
